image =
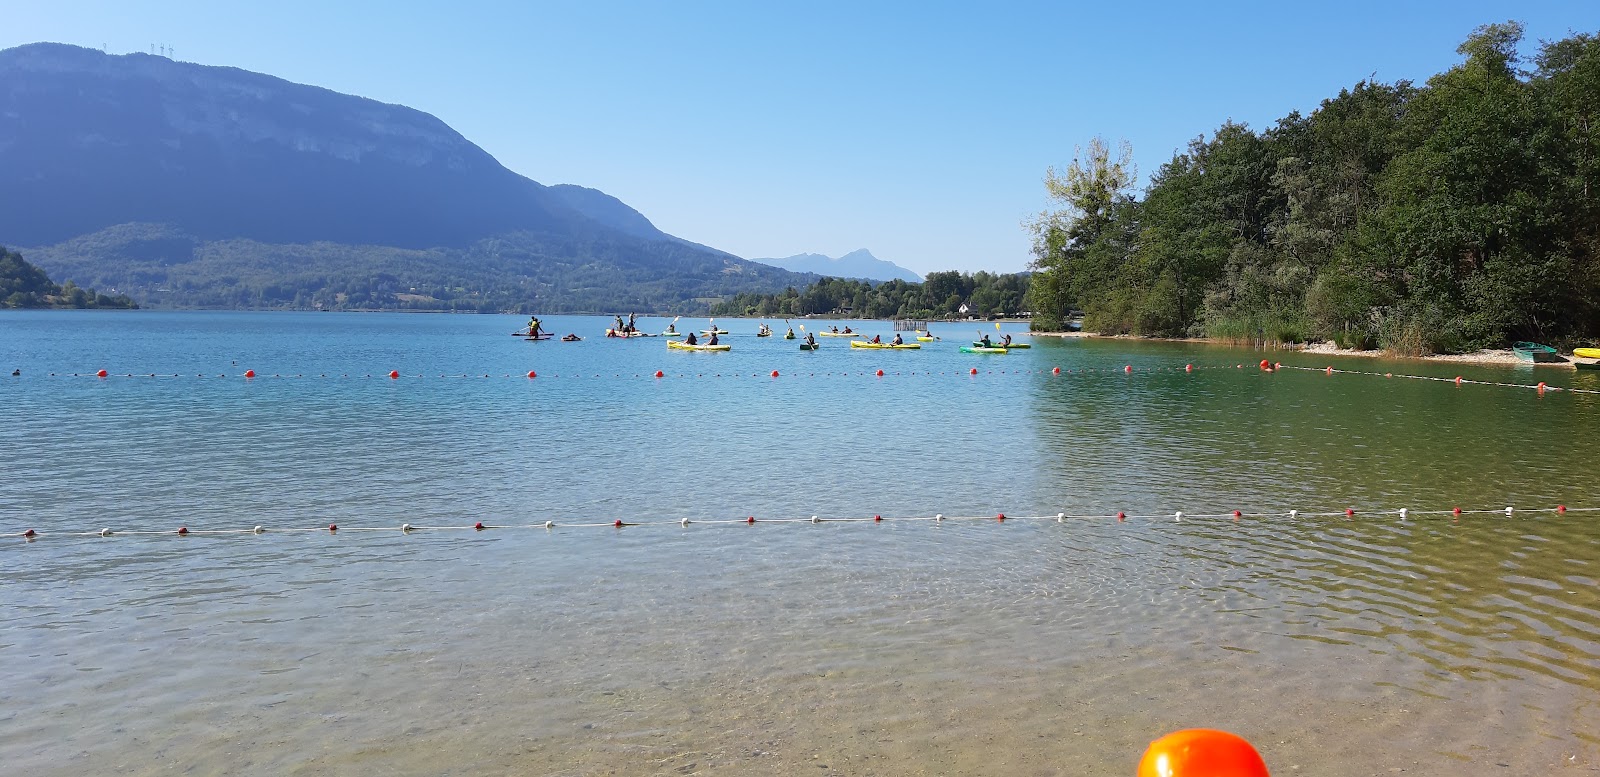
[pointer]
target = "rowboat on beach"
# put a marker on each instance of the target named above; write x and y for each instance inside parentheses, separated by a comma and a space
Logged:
(1534, 352)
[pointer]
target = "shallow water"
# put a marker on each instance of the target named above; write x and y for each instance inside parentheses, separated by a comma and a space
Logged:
(1338, 646)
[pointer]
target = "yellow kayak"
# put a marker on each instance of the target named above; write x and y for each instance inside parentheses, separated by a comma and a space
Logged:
(688, 347)
(864, 344)
(1587, 353)
(838, 334)
(924, 339)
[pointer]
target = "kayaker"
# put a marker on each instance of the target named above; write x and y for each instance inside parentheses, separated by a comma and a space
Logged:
(811, 340)
(875, 339)
(790, 336)
(835, 329)
(672, 328)
(713, 339)
(1005, 341)
(847, 329)
(985, 341)
(689, 340)
(897, 340)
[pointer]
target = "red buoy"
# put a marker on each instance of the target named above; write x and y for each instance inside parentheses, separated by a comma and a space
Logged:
(394, 374)
(1188, 368)
(1237, 515)
(249, 373)
(774, 373)
(1265, 364)
(974, 371)
(1000, 517)
(532, 374)
(183, 530)
(1056, 371)
(877, 517)
(617, 523)
(1128, 369)
(333, 527)
(1458, 379)
(1541, 387)
(1456, 511)
(29, 534)
(1121, 516)
(479, 525)
(660, 374)
(1200, 752)
(100, 374)
(1349, 513)
(751, 519)
(880, 373)
(1330, 370)
(1561, 508)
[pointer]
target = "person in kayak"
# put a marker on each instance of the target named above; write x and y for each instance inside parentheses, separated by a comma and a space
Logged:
(834, 329)
(790, 335)
(876, 340)
(713, 339)
(847, 329)
(1005, 341)
(689, 340)
(897, 340)
(811, 340)
(672, 328)
(985, 341)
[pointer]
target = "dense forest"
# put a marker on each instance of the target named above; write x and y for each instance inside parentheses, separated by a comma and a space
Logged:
(940, 295)
(24, 286)
(1459, 214)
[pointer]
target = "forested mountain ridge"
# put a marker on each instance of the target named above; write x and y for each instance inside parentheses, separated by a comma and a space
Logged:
(22, 285)
(856, 264)
(1458, 214)
(124, 169)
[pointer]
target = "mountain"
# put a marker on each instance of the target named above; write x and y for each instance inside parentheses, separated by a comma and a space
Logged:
(140, 173)
(856, 264)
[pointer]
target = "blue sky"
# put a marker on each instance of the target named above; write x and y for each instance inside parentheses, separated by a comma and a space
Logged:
(919, 130)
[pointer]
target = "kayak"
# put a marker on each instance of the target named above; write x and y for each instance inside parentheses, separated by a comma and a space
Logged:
(789, 336)
(708, 332)
(1587, 365)
(571, 339)
(980, 349)
(809, 346)
(838, 334)
(615, 333)
(1013, 346)
(672, 334)
(865, 344)
(688, 347)
(1587, 353)
(763, 334)
(924, 339)
(539, 337)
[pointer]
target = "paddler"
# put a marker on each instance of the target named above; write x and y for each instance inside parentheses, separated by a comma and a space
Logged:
(835, 328)
(713, 338)
(847, 329)
(618, 327)
(897, 340)
(875, 339)
(533, 326)
(811, 340)
(689, 340)
(790, 335)
(985, 341)
(672, 328)
(631, 327)
(1005, 341)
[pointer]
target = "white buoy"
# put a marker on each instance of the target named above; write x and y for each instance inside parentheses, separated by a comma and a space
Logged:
(257, 530)
(684, 522)
(405, 527)
(1177, 516)
(1294, 513)
(1508, 512)
(815, 519)
(1061, 517)
(105, 532)
(1402, 515)
(939, 517)
(549, 524)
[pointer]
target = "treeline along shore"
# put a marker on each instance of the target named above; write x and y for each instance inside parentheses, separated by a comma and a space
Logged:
(1442, 218)
(23, 285)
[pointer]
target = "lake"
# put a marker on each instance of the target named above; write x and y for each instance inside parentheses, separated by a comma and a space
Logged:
(1032, 646)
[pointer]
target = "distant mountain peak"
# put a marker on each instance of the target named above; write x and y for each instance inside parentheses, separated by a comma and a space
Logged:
(859, 263)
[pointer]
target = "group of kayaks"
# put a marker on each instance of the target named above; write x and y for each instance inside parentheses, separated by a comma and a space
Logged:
(676, 345)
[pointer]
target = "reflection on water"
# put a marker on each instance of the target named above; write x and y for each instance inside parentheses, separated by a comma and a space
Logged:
(1339, 646)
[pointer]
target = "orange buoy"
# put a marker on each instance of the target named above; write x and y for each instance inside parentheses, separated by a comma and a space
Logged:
(1201, 752)
(1265, 364)
(1458, 380)
(394, 374)
(1330, 370)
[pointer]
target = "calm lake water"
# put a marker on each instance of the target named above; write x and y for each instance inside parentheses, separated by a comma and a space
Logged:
(1029, 647)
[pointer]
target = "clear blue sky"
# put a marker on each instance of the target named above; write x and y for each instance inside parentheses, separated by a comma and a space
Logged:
(920, 130)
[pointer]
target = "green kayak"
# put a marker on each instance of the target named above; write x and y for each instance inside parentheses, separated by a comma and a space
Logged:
(981, 349)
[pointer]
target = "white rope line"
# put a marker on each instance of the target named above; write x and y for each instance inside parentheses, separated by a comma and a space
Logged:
(1458, 380)
(1402, 514)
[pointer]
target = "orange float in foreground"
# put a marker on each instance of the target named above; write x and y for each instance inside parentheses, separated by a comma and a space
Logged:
(1201, 752)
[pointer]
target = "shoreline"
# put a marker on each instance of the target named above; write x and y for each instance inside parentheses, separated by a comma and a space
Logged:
(1488, 356)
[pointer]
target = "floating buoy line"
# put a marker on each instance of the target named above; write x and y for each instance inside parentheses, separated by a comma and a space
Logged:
(1127, 370)
(1402, 515)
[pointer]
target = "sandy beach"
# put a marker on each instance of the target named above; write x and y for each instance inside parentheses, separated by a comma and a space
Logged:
(1497, 356)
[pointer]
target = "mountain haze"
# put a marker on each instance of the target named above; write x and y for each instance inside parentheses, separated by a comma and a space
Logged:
(856, 264)
(129, 167)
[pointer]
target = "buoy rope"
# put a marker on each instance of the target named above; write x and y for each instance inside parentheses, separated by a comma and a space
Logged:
(1403, 514)
(1128, 369)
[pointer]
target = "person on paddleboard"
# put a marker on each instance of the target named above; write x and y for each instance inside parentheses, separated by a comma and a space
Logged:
(533, 326)
(631, 318)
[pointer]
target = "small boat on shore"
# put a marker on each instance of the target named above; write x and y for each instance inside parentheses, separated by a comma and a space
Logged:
(1534, 352)
(1587, 365)
(1586, 353)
